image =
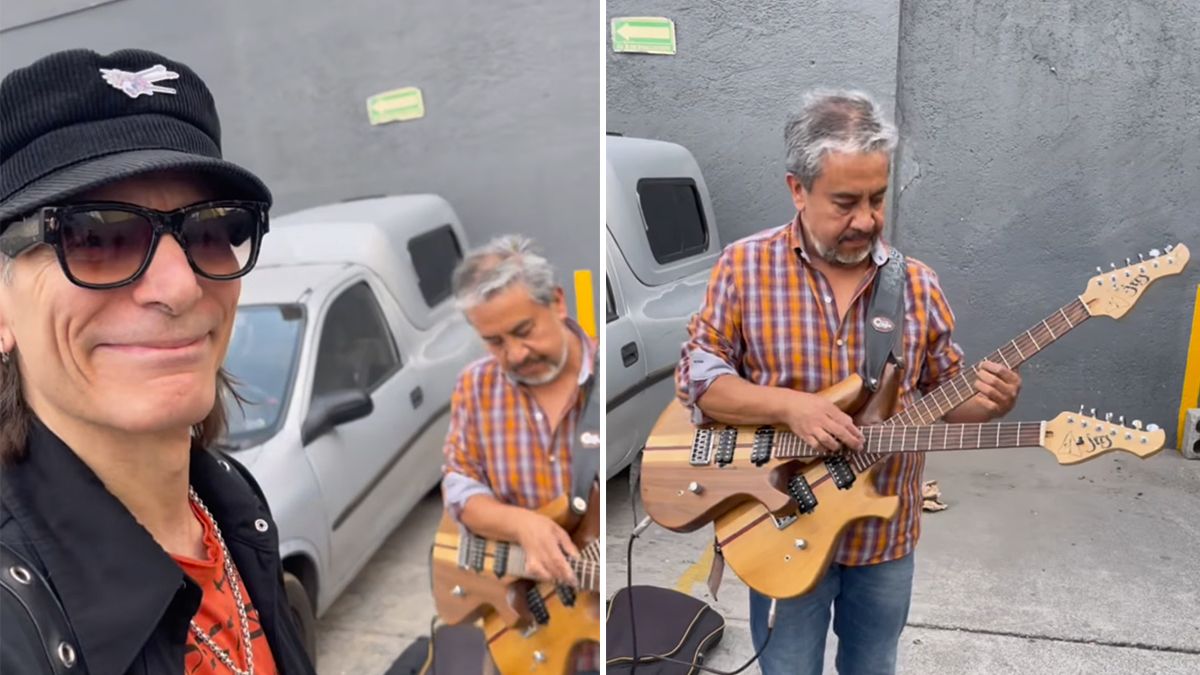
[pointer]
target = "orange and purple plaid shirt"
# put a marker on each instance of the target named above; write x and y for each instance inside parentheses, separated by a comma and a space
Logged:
(769, 317)
(501, 443)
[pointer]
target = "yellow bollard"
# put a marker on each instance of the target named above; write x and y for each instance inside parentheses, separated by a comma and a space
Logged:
(585, 302)
(1190, 397)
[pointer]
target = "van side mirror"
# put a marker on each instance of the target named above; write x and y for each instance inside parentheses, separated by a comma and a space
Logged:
(334, 409)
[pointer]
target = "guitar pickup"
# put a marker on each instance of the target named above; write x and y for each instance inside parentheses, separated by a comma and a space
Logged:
(702, 450)
(764, 438)
(841, 472)
(477, 548)
(566, 594)
(501, 565)
(537, 606)
(801, 491)
(726, 444)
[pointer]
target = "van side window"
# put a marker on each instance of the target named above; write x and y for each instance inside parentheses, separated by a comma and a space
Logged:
(434, 255)
(356, 350)
(674, 218)
(611, 310)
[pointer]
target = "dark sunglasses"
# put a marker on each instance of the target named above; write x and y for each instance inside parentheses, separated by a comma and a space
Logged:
(104, 245)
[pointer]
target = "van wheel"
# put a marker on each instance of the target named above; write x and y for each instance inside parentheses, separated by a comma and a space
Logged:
(302, 612)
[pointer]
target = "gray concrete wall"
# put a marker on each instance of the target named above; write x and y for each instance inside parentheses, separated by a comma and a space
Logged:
(741, 67)
(1040, 139)
(512, 94)
(1043, 139)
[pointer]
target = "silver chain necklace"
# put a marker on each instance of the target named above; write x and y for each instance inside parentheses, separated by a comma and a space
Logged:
(232, 578)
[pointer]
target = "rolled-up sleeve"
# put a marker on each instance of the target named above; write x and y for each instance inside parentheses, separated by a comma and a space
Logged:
(943, 356)
(463, 474)
(714, 346)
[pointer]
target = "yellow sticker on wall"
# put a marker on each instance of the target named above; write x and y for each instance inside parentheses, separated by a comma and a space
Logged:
(397, 105)
(643, 35)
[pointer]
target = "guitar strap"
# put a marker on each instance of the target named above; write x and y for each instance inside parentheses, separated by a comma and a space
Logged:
(885, 320)
(585, 446)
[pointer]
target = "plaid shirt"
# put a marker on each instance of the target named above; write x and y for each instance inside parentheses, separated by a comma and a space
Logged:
(769, 317)
(500, 443)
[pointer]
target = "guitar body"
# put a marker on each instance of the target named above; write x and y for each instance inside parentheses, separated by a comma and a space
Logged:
(547, 648)
(789, 560)
(517, 643)
(683, 497)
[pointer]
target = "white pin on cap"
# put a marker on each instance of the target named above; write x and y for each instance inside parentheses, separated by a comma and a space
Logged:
(141, 82)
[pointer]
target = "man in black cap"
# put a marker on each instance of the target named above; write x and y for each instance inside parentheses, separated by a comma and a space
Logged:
(127, 546)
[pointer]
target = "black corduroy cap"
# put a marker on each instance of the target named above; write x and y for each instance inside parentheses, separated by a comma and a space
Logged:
(75, 120)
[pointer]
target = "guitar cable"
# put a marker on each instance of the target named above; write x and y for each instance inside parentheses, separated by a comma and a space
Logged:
(637, 532)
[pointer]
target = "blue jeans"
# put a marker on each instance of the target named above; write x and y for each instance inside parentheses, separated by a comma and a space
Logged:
(870, 607)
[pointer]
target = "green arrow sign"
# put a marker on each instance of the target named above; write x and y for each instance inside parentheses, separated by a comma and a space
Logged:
(397, 105)
(643, 34)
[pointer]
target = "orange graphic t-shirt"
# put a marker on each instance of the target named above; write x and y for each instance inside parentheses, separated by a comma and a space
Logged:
(218, 615)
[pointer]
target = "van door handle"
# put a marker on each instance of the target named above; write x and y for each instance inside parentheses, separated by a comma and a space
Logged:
(417, 397)
(629, 354)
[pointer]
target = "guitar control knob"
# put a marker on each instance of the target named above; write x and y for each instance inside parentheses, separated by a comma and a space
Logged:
(801, 544)
(539, 657)
(695, 488)
(458, 591)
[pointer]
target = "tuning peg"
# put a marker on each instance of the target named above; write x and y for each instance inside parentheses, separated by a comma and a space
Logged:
(1170, 247)
(1121, 420)
(1137, 424)
(1107, 417)
(1141, 258)
(1093, 413)
(1128, 262)
(1112, 266)
(1080, 408)
(1154, 253)
(1152, 427)
(1100, 270)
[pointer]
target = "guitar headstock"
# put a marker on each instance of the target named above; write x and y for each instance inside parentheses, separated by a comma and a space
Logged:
(1114, 292)
(1078, 437)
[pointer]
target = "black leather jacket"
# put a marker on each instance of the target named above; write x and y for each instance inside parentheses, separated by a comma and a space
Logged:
(127, 603)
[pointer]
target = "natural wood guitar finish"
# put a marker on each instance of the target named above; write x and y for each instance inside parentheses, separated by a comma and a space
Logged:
(467, 587)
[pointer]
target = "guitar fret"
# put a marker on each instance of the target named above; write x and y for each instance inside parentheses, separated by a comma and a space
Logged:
(1018, 348)
(1034, 341)
(1065, 317)
(1006, 363)
(997, 435)
(1049, 329)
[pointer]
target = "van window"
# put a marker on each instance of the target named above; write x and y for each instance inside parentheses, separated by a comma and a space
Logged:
(674, 218)
(434, 255)
(357, 350)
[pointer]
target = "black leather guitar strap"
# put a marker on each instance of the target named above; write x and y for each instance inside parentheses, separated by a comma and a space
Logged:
(585, 446)
(25, 585)
(885, 320)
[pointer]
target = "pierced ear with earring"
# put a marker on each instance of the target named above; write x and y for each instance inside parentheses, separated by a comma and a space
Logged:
(3, 354)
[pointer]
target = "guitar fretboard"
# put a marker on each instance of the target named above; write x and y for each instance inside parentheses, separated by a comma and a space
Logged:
(885, 440)
(507, 559)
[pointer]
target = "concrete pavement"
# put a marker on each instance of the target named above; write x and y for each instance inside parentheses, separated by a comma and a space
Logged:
(1034, 568)
(387, 606)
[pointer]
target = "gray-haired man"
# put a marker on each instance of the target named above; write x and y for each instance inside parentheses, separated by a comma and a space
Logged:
(785, 316)
(515, 413)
